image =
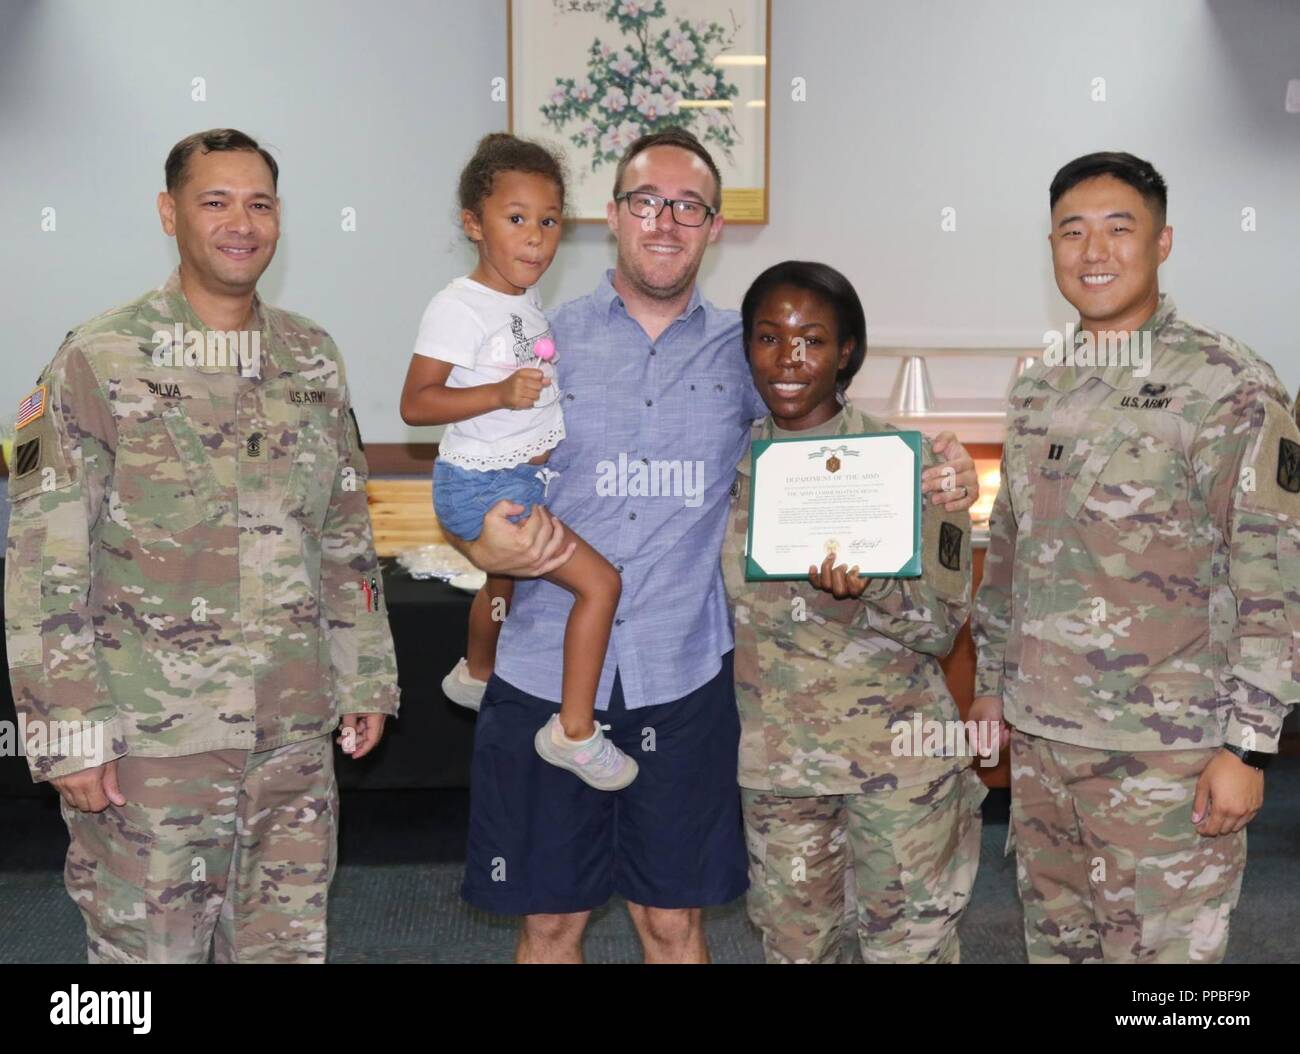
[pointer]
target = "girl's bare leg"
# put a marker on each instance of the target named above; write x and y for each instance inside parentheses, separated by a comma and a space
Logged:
(596, 587)
(486, 613)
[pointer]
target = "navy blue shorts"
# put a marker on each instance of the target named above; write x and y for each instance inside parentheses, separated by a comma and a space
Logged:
(542, 842)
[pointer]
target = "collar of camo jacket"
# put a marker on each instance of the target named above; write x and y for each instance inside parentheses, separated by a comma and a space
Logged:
(177, 306)
(1119, 375)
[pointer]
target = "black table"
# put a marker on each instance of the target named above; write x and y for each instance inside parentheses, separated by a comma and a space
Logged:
(428, 746)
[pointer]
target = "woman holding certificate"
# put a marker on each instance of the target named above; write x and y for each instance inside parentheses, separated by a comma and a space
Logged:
(834, 672)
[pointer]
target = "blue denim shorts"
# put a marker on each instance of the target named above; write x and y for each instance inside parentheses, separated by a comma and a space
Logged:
(462, 496)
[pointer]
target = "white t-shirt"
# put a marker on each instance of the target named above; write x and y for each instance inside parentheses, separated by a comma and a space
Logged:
(486, 336)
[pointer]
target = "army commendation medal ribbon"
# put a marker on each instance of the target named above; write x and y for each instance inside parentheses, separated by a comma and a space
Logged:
(858, 496)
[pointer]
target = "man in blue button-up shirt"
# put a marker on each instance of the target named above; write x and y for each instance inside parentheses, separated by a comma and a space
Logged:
(658, 402)
(641, 412)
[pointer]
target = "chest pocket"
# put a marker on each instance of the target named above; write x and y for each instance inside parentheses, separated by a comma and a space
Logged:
(584, 422)
(1129, 485)
(710, 400)
(164, 477)
(314, 469)
(1023, 439)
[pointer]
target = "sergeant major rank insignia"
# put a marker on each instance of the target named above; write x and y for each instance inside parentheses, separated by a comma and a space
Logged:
(950, 536)
(1288, 465)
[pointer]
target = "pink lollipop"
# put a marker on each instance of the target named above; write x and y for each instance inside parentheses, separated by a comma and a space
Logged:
(544, 349)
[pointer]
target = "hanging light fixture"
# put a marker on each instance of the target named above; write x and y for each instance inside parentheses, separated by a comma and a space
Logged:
(912, 392)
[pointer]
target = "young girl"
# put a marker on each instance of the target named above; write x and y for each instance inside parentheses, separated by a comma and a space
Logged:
(484, 366)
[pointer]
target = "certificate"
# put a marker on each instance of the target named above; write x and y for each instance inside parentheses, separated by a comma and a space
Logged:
(858, 496)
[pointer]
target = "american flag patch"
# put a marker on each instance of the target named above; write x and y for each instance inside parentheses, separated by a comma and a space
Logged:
(32, 407)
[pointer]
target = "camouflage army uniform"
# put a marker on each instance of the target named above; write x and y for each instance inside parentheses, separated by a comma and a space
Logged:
(184, 575)
(1137, 611)
(823, 790)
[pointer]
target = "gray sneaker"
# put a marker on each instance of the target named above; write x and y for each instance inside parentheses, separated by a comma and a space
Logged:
(597, 762)
(462, 689)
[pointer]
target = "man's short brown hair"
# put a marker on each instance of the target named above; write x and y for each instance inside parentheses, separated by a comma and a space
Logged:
(207, 142)
(678, 137)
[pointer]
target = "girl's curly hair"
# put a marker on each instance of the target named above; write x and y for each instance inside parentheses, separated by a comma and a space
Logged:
(502, 152)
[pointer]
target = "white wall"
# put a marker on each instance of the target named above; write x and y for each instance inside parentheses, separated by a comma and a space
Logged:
(911, 107)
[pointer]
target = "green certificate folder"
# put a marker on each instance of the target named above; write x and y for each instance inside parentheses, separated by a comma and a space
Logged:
(859, 495)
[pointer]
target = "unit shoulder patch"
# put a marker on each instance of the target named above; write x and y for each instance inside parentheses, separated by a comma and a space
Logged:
(357, 429)
(950, 538)
(1288, 465)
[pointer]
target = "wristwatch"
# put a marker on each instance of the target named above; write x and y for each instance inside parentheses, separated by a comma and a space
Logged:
(1256, 759)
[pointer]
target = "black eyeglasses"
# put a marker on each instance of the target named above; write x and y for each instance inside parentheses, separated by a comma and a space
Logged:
(646, 206)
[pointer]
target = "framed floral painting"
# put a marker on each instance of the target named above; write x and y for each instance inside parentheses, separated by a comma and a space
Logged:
(590, 76)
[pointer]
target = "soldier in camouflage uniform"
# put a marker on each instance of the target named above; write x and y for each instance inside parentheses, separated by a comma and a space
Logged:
(1136, 619)
(190, 580)
(827, 669)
